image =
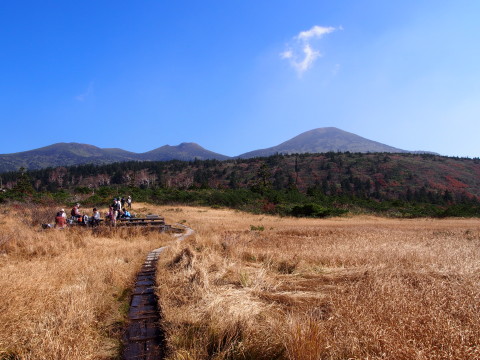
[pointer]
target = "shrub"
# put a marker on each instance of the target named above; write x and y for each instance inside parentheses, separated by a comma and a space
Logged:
(315, 210)
(257, 228)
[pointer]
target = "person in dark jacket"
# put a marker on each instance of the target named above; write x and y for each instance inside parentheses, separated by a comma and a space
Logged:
(76, 211)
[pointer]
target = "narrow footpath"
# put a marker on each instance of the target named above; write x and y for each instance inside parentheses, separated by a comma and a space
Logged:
(144, 339)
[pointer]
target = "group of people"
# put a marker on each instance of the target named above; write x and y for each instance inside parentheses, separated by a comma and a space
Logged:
(116, 211)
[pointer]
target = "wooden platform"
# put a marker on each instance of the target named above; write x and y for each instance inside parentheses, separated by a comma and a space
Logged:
(149, 220)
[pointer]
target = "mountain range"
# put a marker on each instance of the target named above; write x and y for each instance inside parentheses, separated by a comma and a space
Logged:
(319, 140)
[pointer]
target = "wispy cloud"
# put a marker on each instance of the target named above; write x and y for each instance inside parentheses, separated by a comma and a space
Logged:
(300, 52)
(86, 94)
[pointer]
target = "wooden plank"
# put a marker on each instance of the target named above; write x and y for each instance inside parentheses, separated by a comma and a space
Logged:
(144, 223)
(141, 219)
(144, 338)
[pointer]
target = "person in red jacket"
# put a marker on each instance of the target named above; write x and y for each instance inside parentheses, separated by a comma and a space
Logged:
(60, 221)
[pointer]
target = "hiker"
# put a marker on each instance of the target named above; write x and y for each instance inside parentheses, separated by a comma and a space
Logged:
(114, 206)
(60, 221)
(95, 219)
(126, 214)
(112, 216)
(122, 202)
(117, 207)
(109, 213)
(76, 212)
(129, 202)
(64, 214)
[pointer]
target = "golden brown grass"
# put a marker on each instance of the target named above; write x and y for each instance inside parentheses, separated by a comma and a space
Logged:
(64, 293)
(347, 288)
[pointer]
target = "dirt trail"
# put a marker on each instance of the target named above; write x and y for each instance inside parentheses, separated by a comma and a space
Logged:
(144, 339)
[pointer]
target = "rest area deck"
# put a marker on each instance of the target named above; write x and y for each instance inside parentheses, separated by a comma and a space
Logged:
(149, 220)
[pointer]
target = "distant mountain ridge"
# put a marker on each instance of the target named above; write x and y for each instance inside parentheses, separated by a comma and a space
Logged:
(184, 151)
(324, 140)
(66, 154)
(319, 140)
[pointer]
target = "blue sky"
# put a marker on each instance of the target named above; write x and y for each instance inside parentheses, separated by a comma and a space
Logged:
(235, 76)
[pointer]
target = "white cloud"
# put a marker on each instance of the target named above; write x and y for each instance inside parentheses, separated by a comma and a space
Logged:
(287, 54)
(310, 56)
(300, 52)
(316, 31)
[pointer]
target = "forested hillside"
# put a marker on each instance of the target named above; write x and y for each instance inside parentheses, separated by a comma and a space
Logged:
(337, 179)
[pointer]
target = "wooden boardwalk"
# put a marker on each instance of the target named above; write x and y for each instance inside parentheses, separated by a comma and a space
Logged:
(144, 338)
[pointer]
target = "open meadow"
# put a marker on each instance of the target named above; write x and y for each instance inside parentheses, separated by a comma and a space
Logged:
(246, 287)
(65, 293)
(260, 287)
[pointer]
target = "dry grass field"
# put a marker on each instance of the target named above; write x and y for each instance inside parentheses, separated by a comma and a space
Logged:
(246, 287)
(64, 293)
(261, 287)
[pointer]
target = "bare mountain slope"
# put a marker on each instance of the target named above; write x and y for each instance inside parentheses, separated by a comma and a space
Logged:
(184, 151)
(324, 140)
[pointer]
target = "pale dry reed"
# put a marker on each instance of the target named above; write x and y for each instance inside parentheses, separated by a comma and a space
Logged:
(346, 288)
(64, 293)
